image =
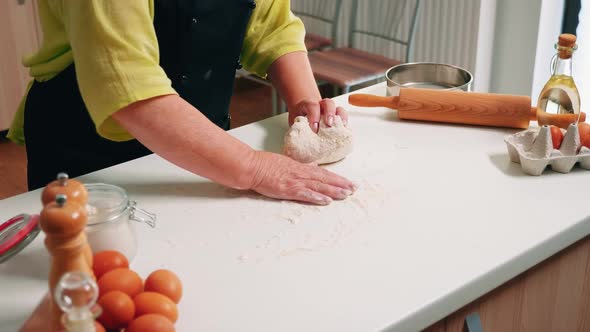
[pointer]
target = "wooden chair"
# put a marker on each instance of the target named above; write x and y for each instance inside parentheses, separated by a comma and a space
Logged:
(382, 20)
(315, 13)
(324, 12)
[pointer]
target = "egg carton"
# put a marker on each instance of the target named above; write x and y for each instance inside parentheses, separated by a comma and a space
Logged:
(533, 150)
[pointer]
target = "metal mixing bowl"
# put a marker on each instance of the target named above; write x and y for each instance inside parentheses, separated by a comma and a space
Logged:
(427, 75)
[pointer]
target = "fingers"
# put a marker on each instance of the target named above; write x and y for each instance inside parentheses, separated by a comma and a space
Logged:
(312, 111)
(333, 179)
(342, 114)
(319, 193)
(328, 109)
(284, 178)
(328, 190)
(309, 196)
(325, 109)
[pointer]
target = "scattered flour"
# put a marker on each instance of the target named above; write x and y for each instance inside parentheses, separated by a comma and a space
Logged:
(310, 228)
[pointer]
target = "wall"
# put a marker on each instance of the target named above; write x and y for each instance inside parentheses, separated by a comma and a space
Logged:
(549, 30)
(18, 36)
(485, 46)
(515, 45)
(581, 66)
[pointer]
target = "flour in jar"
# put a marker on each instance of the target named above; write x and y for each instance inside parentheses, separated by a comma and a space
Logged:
(107, 232)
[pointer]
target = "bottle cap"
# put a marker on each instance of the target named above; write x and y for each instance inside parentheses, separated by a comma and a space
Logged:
(566, 45)
(567, 40)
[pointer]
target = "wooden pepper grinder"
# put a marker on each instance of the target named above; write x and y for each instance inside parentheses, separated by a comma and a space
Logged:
(63, 223)
(75, 192)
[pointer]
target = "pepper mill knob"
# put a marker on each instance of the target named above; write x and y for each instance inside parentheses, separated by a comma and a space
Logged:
(62, 178)
(61, 199)
(63, 218)
(75, 190)
(76, 294)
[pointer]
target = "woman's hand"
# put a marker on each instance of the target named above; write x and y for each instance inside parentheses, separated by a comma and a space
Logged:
(280, 177)
(313, 110)
(212, 153)
(291, 74)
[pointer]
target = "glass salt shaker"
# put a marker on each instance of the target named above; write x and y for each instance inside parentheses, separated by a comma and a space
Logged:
(76, 294)
(111, 219)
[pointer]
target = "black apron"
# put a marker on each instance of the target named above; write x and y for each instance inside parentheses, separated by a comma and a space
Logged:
(200, 43)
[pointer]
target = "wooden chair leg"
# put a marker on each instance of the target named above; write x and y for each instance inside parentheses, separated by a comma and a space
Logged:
(275, 100)
(283, 106)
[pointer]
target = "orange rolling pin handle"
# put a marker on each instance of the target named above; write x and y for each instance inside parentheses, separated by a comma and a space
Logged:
(559, 120)
(366, 100)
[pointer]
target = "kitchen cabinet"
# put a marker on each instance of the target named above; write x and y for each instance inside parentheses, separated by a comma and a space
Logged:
(552, 296)
(19, 35)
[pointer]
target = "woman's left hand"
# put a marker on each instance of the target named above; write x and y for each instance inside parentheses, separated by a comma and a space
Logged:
(314, 111)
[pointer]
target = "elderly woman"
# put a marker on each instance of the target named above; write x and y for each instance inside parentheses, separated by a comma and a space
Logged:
(116, 80)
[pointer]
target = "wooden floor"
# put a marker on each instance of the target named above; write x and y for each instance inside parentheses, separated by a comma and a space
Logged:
(251, 102)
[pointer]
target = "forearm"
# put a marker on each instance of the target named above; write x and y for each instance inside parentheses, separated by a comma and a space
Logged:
(292, 76)
(175, 130)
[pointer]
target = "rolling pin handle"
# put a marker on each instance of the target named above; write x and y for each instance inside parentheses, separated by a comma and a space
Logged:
(533, 115)
(366, 100)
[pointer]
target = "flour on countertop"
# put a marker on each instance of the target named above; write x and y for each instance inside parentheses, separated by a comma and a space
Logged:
(311, 228)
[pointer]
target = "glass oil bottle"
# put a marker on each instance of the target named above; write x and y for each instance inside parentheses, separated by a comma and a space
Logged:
(559, 100)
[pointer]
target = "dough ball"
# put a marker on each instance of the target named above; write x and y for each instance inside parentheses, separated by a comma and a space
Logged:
(329, 145)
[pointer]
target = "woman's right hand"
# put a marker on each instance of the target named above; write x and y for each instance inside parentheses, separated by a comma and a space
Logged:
(281, 177)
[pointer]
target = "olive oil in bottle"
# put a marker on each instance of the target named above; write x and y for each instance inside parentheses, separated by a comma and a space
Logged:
(560, 96)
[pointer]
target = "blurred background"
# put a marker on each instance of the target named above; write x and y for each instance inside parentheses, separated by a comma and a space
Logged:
(507, 45)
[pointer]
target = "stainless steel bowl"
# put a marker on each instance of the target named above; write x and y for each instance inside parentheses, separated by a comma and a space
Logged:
(427, 75)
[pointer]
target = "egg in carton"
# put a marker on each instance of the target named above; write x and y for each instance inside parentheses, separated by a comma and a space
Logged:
(533, 150)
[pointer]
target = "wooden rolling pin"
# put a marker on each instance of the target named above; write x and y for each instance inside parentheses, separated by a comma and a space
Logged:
(483, 109)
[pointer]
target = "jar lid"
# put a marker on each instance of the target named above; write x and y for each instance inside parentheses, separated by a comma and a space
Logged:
(16, 234)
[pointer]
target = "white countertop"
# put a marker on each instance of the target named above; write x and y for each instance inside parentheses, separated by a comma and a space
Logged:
(442, 217)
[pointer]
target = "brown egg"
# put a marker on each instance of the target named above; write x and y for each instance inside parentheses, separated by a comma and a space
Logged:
(105, 261)
(584, 130)
(155, 303)
(121, 279)
(556, 136)
(150, 323)
(118, 310)
(166, 283)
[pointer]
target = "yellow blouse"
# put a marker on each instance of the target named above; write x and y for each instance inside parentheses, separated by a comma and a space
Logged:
(116, 66)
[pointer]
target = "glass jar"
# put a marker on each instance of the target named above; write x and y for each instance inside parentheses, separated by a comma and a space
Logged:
(111, 219)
